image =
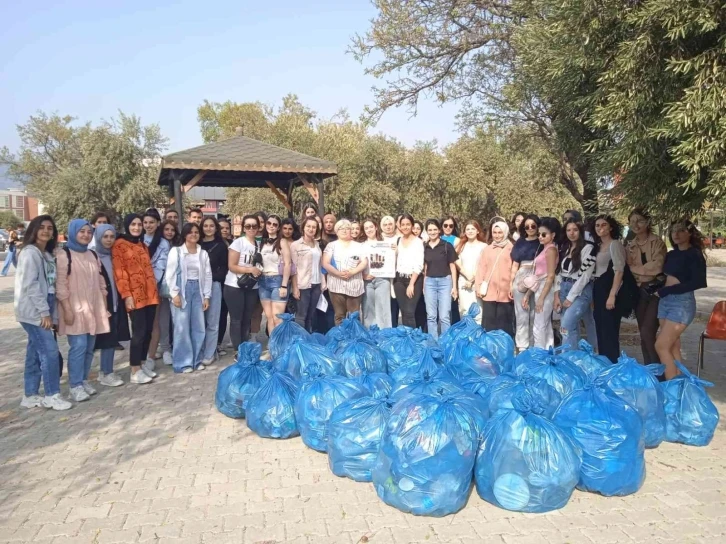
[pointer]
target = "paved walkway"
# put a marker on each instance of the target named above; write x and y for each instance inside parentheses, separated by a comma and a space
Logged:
(158, 463)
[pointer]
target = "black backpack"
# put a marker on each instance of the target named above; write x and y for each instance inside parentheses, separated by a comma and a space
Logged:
(70, 260)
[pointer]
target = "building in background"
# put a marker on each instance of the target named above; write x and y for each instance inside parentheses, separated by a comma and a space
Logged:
(210, 199)
(13, 198)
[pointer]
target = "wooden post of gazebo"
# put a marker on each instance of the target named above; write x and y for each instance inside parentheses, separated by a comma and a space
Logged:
(243, 162)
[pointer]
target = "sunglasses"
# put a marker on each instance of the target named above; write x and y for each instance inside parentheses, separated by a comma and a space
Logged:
(543, 234)
(530, 226)
(272, 224)
(448, 226)
(250, 227)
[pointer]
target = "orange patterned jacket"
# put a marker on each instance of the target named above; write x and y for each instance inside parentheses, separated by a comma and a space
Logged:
(133, 272)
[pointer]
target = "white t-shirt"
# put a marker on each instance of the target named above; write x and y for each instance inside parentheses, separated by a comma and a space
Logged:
(316, 277)
(470, 256)
(246, 250)
(192, 264)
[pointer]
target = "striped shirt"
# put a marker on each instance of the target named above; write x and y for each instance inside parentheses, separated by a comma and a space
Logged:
(580, 278)
(346, 256)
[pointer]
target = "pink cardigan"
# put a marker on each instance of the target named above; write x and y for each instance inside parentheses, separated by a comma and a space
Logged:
(500, 281)
(86, 290)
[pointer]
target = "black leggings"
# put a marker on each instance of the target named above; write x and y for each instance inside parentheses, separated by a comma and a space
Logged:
(223, 313)
(607, 322)
(498, 316)
(646, 313)
(241, 303)
(407, 305)
(142, 325)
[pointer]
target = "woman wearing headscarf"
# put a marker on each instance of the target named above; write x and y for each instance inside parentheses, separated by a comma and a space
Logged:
(81, 294)
(105, 237)
(493, 281)
(137, 286)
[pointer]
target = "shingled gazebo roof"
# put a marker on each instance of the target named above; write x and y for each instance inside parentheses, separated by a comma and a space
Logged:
(241, 162)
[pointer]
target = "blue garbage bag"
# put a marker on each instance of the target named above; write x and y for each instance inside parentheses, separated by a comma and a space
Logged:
(587, 360)
(271, 410)
(439, 382)
(362, 356)
(426, 460)
(610, 433)
(302, 353)
(237, 382)
(638, 386)
(283, 335)
(355, 430)
(400, 347)
(527, 358)
(561, 374)
(427, 341)
(377, 384)
(375, 333)
(525, 462)
(465, 327)
(352, 327)
(691, 417)
(499, 392)
(467, 360)
(426, 361)
(319, 338)
(316, 400)
(500, 345)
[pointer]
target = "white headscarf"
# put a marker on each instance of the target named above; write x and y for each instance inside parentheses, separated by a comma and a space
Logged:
(505, 229)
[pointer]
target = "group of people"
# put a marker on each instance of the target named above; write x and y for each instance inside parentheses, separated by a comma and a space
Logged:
(178, 284)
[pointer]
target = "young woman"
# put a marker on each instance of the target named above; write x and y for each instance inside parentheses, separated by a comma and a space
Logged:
(355, 232)
(309, 210)
(388, 234)
(189, 280)
(377, 297)
(573, 290)
(439, 279)
(81, 295)
(225, 229)
(34, 303)
(469, 249)
(159, 248)
(523, 253)
(289, 230)
(306, 255)
(137, 286)
(217, 252)
(418, 229)
(685, 270)
(242, 302)
(10, 256)
(450, 234)
(275, 279)
(345, 278)
(609, 271)
(646, 254)
(170, 233)
(494, 272)
(517, 224)
(105, 236)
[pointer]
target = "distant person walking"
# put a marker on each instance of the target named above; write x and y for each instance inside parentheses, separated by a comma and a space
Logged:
(13, 240)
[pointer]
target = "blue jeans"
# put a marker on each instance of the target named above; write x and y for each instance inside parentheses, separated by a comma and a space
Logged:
(8, 261)
(189, 329)
(107, 356)
(80, 357)
(377, 303)
(270, 288)
(209, 352)
(679, 308)
(41, 361)
(437, 293)
(580, 310)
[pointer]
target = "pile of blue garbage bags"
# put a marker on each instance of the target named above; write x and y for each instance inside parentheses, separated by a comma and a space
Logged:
(426, 420)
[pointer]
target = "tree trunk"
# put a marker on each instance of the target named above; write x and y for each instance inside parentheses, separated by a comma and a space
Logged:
(590, 203)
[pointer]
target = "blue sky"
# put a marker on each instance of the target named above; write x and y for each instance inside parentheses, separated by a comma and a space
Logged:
(160, 60)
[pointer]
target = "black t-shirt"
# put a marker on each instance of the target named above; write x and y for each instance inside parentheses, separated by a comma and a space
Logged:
(438, 258)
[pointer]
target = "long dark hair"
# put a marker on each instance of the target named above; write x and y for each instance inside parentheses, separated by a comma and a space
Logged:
(375, 225)
(175, 240)
(244, 220)
(275, 241)
(642, 212)
(528, 217)
(305, 222)
(217, 231)
(454, 232)
(31, 233)
(577, 250)
(186, 229)
(295, 228)
(616, 229)
(156, 238)
(261, 227)
(696, 240)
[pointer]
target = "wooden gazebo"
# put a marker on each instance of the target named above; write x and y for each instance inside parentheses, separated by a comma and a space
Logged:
(243, 162)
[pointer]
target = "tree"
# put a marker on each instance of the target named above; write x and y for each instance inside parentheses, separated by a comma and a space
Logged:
(9, 221)
(77, 170)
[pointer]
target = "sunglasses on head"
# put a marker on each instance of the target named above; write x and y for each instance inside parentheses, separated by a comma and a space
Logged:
(250, 226)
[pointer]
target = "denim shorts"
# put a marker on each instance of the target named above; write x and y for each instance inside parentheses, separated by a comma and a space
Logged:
(679, 308)
(270, 288)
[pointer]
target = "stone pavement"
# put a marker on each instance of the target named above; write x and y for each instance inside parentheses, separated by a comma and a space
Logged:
(157, 463)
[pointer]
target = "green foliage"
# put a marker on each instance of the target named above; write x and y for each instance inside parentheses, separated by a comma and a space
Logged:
(9, 221)
(478, 176)
(77, 170)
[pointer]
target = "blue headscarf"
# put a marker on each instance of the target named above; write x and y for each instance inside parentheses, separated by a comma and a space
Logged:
(73, 227)
(104, 255)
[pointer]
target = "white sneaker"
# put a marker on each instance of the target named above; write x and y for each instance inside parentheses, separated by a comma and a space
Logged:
(201, 366)
(110, 380)
(148, 369)
(140, 377)
(33, 401)
(209, 362)
(56, 402)
(221, 351)
(167, 358)
(188, 370)
(88, 388)
(150, 363)
(79, 394)
(157, 355)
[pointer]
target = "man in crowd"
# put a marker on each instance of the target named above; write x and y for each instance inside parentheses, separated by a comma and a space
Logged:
(329, 220)
(196, 216)
(171, 216)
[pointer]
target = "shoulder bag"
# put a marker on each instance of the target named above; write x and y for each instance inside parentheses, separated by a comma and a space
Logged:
(484, 287)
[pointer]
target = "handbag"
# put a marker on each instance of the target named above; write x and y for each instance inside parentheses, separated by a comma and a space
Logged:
(530, 282)
(484, 287)
(248, 280)
(163, 286)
